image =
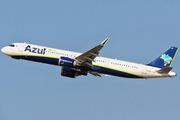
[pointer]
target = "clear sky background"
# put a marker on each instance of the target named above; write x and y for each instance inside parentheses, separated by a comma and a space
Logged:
(140, 31)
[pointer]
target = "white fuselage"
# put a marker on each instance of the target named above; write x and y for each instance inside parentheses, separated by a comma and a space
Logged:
(100, 64)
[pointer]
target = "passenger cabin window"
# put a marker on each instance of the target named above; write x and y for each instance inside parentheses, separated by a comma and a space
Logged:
(11, 45)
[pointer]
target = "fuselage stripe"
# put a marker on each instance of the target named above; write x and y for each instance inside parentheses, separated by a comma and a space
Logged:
(23, 56)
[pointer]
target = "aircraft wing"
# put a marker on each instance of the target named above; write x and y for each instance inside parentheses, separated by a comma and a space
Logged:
(88, 57)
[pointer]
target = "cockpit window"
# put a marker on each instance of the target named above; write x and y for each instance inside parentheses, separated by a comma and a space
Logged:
(12, 45)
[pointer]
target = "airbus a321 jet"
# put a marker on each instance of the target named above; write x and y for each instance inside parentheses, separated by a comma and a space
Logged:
(75, 64)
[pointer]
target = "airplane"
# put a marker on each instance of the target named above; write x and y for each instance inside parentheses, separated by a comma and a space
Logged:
(75, 64)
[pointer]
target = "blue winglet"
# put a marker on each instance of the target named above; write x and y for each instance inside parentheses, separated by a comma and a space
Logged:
(105, 41)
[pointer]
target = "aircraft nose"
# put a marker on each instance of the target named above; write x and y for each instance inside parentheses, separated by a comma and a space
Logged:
(3, 50)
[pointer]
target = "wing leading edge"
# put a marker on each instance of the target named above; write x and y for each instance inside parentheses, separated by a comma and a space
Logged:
(88, 57)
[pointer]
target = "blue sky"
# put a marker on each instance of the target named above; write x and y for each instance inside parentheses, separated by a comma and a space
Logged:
(140, 31)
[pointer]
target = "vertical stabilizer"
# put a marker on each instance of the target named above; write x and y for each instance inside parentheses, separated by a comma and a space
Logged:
(165, 59)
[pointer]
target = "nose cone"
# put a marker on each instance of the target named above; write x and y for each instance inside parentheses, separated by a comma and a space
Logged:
(3, 50)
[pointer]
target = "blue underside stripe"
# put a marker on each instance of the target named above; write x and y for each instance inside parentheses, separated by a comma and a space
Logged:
(114, 72)
(55, 61)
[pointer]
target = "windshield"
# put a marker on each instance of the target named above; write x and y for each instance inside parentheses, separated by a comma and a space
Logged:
(11, 45)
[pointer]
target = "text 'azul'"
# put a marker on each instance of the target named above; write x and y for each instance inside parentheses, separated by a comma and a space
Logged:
(35, 50)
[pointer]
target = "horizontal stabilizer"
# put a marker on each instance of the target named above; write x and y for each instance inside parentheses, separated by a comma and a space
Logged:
(95, 74)
(165, 70)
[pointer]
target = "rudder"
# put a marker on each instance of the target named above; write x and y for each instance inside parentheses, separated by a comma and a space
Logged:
(165, 59)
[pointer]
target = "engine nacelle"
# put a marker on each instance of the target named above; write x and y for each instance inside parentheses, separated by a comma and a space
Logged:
(72, 73)
(68, 62)
(68, 72)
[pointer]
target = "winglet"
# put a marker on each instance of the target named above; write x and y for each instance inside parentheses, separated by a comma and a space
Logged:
(105, 41)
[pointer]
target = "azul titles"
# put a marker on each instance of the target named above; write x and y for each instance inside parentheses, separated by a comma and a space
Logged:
(35, 50)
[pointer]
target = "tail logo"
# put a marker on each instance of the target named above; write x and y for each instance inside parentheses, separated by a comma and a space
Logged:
(167, 59)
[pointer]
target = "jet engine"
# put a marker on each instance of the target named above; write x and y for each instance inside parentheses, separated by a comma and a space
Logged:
(67, 72)
(68, 62)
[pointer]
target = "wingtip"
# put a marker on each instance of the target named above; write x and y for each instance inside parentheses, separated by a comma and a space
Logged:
(105, 41)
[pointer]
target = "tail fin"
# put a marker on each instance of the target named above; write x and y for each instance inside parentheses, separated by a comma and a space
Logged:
(165, 59)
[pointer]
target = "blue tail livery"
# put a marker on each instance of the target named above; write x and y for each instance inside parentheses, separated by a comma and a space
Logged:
(165, 59)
